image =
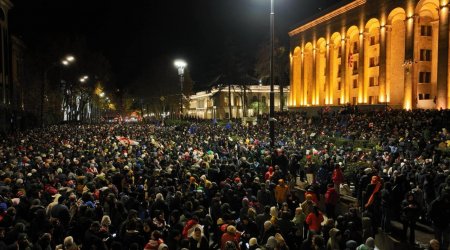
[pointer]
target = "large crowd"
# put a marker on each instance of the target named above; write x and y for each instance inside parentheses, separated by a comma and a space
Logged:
(203, 185)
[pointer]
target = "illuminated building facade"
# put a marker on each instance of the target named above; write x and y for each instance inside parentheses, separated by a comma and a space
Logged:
(215, 102)
(367, 52)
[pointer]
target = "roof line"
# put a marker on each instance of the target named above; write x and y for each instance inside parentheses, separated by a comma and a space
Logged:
(327, 16)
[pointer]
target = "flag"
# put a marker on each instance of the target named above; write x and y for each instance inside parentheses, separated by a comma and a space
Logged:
(350, 59)
(126, 141)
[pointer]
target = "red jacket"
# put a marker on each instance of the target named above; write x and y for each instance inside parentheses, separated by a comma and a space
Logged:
(314, 222)
(331, 196)
(269, 174)
(338, 177)
(229, 237)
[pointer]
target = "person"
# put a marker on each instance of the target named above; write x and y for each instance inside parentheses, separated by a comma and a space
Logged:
(318, 243)
(439, 214)
(281, 192)
(271, 243)
(231, 235)
(386, 207)
(281, 242)
(92, 239)
(198, 241)
(329, 224)
(434, 245)
(410, 214)
(314, 220)
(373, 200)
(253, 244)
(307, 207)
(269, 174)
(331, 200)
(155, 241)
(298, 221)
(269, 230)
(334, 240)
(368, 245)
(274, 215)
(337, 177)
(68, 244)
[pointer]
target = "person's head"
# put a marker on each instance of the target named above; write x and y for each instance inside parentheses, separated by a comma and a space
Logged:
(298, 211)
(95, 226)
(410, 197)
(375, 179)
(253, 242)
(68, 240)
(106, 221)
(274, 211)
(434, 244)
(230, 245)
(318, 242)
(267, 225)
(231, 229)
(271, 243)
(370, 242)
(197, 232)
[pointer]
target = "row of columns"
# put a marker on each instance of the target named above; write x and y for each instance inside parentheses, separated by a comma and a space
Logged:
(385, 86)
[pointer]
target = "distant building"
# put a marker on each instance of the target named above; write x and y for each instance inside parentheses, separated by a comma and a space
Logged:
(214, 103)
(367, 52)
(7, 105)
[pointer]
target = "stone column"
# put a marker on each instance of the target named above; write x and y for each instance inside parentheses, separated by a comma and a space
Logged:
(315, 79)
(410, 100)
(303, 96)
(382, 66)
(442, 68)
(362, 68)
(328, 72)
(344, 66)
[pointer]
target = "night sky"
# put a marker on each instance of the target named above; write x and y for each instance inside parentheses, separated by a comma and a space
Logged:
(141, 38)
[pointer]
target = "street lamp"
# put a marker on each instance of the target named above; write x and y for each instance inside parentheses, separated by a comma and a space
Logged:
(66, 61)
(180, 64)
(272, 96)
(83, 78)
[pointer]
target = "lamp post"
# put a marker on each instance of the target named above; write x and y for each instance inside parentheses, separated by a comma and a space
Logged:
(180, 64)
(272, 97)
(66, 62)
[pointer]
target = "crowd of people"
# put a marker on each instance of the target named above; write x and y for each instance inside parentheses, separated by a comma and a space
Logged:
(201, 185)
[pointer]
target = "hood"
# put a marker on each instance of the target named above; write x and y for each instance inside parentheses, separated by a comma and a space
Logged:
(333, 232)
(366, 222)
(270, 169)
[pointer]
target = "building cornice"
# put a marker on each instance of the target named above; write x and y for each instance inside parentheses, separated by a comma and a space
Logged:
(327, 16)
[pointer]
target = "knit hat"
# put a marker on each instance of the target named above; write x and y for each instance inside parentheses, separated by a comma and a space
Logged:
(253, 241)
(279, 238)
(231, 229)
(220, 221)
(271, 242)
